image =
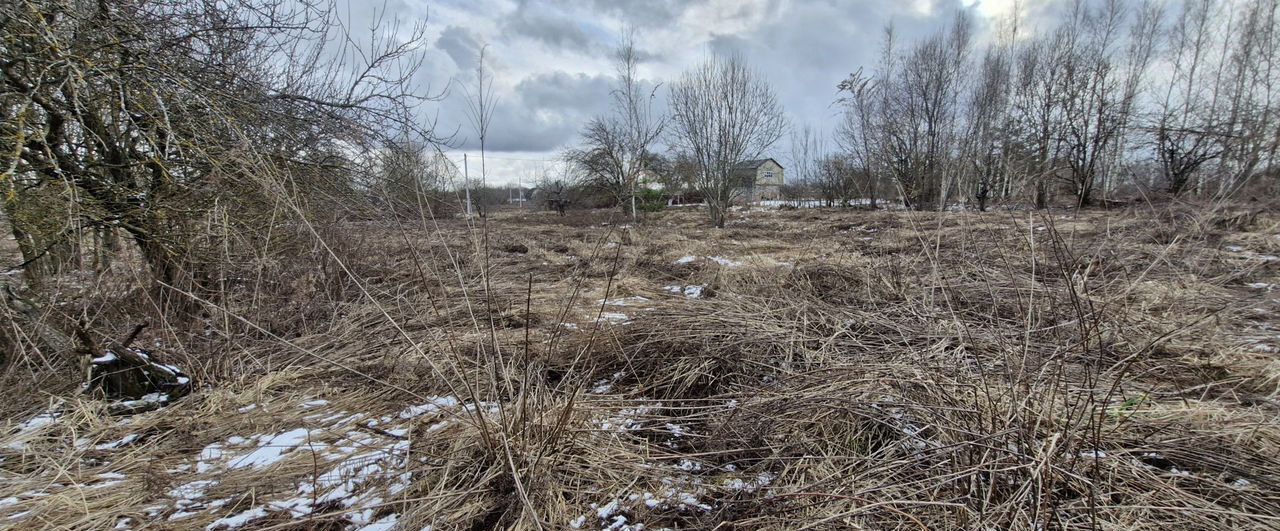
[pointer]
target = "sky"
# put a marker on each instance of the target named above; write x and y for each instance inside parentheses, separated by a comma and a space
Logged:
(552, 67)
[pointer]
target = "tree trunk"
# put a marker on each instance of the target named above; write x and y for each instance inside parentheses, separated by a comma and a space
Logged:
(23, 315)
(717, 211)
(1042, 195)
(170, 278)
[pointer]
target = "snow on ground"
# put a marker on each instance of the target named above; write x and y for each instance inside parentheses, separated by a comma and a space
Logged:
(717, 259)
(690, 291)
(614, 318)
(683, 490)
(624, 301)
(357, 466)
(32, 428)
(1250, 255)
(724, 261)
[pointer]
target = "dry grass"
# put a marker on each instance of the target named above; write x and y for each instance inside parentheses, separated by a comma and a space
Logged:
(842, 370)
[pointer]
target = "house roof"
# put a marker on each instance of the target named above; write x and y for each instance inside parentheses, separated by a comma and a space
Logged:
(753, 164)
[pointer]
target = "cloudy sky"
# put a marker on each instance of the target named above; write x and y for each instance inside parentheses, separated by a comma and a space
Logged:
(552, 68)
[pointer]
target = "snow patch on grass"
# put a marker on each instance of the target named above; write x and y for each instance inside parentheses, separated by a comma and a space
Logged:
(614, 318)
(724, 261)
(691, 291)
(624, 301)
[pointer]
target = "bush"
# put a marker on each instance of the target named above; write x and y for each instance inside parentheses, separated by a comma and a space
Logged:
(651, 201)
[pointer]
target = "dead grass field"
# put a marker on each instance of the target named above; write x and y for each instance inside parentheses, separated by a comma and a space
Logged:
(803, 369)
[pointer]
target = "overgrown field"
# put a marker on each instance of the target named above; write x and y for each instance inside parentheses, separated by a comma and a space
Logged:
(799, 369)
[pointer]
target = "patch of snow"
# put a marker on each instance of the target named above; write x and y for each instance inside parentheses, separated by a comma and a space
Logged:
(125, 441)
(106, 358)
(1096, 454)
(31, 426)
(761, 481)
(798, 203)
(1234, 248)
(209, 456)
(237, 520)
(685, 260)
(676, 430)
(689, 466)
(151, 399)
(724, 261)
(620, 524)
(691, 291)
(624, 301)
(1262, 286)
(614, 318)
(39, 421)
(601, 387)
(359, 470)
(273, 450)
(625, 420)
(247, 408)
(311, 404)
(188, 494)
(608, 510)
(1241, 483)
(435, 405)
(385, 523)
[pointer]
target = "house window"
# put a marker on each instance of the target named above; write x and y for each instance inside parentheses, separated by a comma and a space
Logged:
(768, 175)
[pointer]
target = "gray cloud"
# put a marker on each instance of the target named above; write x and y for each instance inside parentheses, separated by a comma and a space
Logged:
(644, 14)
(556, 32)
(543, 113)
(461, 46)
(721, 44)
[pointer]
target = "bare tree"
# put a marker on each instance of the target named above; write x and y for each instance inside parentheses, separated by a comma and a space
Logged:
(986, 150)
(409, 177)
(1185, 132)
(722, 113)
(1036, 114)
(602, 159)
(805, 152)
(918, 112)
(558, 189)
(619, 148)
(480, 105)
(152, 115)
(1249, 89)
(1100, 88)
(858, 132)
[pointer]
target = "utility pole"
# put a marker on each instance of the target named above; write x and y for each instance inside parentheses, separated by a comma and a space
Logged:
(466, 182)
